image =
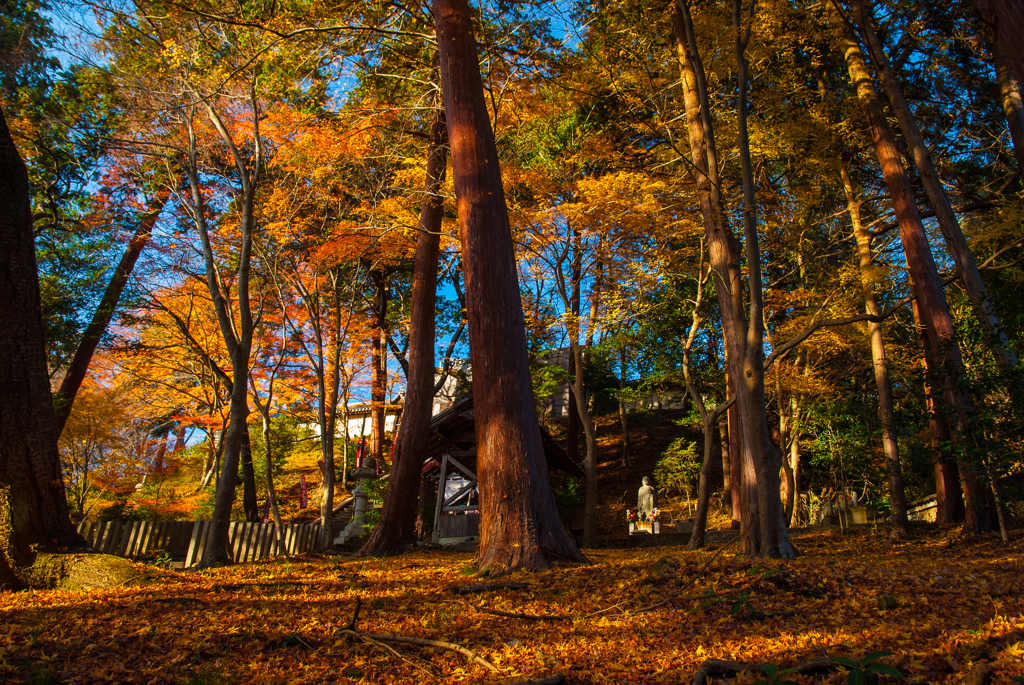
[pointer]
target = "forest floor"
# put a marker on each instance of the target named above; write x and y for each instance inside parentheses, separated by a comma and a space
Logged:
(944, 604)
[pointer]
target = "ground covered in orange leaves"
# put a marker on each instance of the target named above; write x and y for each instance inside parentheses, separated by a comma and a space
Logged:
(945, 606)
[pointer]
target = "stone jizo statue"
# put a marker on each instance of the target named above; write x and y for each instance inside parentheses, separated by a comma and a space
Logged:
(645, 502)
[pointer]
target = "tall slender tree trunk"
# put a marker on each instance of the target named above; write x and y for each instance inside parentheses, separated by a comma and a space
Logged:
(332, 392)
(590, 463)
(735, 453)
(1013, 106)
(378, 370)
(572, 424)
(397, 528)
(33, 504)
(886, 410)
(762, 527)
(268, 459)
(626, 463)
(64, 398)
(795, 418)
(572, 442)
(519, 523)
(949, 225)
(931, 299)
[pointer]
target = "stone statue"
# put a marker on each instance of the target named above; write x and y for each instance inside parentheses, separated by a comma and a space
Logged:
(645, 500)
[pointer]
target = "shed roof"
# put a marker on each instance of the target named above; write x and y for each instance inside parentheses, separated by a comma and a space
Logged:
(454, 431)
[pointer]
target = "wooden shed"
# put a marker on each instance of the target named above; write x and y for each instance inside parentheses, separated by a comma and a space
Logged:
(452, 461)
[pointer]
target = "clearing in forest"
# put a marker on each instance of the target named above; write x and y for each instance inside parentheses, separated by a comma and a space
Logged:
(946, 606)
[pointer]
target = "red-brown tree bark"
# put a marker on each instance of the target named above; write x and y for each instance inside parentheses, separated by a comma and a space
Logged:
(931, 300)
(949, 225)
(1005, 19)
(948, 498)
(397, 528)
(378, 366)
(64, 398)
(33, 505)
(519, 523)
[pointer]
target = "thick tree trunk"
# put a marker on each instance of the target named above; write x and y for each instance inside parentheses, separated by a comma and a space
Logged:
(33, 504)
(396, 531)
(886, 410)
(249, 504)
(519, 523)
(949, 225)
(64, 398)
(1013, 106)
(762, 528)
(948, 498)
(931, 299)
(378, 370)
(753, 410)
(1005, 19)
(216, 552)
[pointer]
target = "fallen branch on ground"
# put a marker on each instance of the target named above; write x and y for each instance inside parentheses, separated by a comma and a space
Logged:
(423, 642)
(350, 629)
(717, 668)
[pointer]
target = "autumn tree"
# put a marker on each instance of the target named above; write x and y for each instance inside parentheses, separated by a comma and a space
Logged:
(763, 529)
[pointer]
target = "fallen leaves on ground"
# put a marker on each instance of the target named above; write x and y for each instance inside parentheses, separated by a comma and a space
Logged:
(943, 605)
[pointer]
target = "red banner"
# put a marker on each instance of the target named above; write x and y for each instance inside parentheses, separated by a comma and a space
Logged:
(303, 500)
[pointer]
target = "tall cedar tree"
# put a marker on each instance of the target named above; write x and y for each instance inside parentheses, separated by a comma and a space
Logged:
(949, 225)
(33, 504)
(397, 527)
(1005, 19)
(519, 526)
(931, 300)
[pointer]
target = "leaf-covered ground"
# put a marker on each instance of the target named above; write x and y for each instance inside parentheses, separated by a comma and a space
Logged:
(943, 604)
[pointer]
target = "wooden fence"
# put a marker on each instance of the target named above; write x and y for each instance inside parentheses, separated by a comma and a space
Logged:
(187, 539)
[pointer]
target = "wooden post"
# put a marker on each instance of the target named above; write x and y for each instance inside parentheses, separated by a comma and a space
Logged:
(436, 535)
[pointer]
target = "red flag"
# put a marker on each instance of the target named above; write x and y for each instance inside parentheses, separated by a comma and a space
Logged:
(303, 501)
